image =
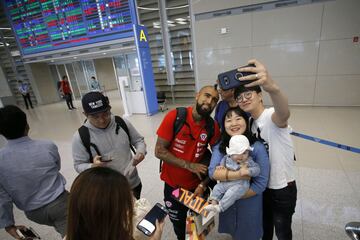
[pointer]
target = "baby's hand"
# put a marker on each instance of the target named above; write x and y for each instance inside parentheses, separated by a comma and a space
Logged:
(244, 171)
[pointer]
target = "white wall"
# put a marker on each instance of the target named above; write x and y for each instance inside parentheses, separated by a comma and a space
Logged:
(44, 86)
(4, 86)
(105, 73)
(308, 49)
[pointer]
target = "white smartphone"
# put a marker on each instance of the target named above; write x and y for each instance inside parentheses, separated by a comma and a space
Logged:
(27, 233)
(147, 224)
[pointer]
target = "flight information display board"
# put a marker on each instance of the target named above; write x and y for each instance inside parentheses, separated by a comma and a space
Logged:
(47, 25)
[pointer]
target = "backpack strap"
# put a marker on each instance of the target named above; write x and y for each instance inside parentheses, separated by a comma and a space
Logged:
(120, 123)
(85, 138)
(210, 128)
(180, 120)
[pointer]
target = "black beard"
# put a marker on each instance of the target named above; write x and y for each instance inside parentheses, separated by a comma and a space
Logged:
(201, 112)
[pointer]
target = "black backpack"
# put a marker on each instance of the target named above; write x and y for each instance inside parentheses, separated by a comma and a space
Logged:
(180, 120)
(85, 137)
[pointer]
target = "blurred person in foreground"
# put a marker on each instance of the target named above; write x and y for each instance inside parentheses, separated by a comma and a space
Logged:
(101, 207)
(29, 176)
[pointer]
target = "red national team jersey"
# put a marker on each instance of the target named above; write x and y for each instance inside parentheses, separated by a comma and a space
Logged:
(189, 144)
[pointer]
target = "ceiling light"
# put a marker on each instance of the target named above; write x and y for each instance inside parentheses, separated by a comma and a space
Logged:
(169, 21)
(156, 24)
(180, 19)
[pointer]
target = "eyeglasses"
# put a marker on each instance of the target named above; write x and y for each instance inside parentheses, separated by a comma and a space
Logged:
(243, 96)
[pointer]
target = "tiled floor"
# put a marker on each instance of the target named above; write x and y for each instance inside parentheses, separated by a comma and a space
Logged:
(328, 178)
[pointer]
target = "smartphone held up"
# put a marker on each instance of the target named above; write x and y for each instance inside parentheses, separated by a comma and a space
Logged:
(230, 79)
(147, 224)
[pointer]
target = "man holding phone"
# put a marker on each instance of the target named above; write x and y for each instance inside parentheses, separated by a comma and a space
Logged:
(29, 176)
(271, 126)
(109, 143)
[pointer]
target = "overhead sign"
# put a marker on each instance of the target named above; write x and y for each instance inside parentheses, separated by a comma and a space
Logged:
(146, 70)
(47, 25)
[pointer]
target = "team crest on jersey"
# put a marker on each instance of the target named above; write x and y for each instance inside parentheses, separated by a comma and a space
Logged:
(203, 136)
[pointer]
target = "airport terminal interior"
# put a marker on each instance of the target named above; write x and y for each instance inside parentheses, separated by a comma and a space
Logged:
(327, 177)
(310, 48)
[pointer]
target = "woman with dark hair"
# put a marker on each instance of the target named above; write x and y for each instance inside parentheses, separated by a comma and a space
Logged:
(101, 207)
(243, 220)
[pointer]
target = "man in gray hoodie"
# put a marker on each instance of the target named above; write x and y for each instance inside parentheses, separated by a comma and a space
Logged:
(112, 142)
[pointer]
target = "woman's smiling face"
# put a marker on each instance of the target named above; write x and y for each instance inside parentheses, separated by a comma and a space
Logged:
(234, 124)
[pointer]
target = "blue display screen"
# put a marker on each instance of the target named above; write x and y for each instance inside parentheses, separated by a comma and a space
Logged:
(47, 25)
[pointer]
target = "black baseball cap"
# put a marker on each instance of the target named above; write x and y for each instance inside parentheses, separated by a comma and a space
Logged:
(95, 102)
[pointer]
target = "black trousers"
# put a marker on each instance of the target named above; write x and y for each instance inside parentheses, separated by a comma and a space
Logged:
(27, 100)
(137, 191)
(68, 99)
(278, 208)
(177, 212)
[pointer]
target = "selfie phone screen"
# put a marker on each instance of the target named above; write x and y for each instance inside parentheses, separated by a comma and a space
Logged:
(146, 227)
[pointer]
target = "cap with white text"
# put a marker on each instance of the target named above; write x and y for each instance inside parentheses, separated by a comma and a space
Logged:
(95, 102)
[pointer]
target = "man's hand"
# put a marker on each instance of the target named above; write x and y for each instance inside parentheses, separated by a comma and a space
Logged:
(138, 158)
(97, 162)
(197, 168)
(12, 230)
(260, 77)
(199, 191)
(244, 171)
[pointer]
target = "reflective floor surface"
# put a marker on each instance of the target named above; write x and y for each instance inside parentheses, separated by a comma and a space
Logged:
(328, 178)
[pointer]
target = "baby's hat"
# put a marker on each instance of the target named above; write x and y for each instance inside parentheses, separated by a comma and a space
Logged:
(238, 144)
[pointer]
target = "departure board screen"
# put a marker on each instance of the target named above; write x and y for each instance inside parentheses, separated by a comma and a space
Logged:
(47, 25)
